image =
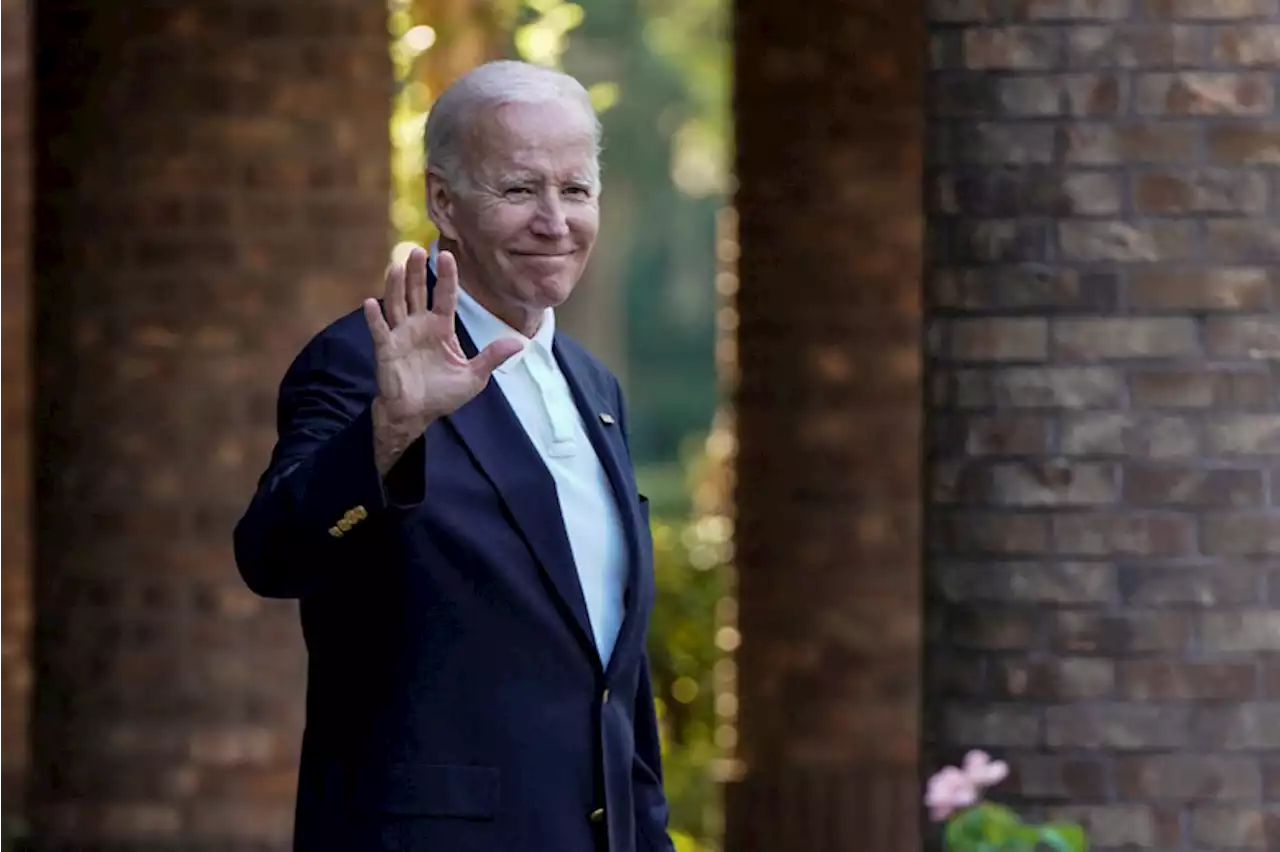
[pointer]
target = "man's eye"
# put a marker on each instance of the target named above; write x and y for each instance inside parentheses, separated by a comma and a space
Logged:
(578, 191)
(519, 192)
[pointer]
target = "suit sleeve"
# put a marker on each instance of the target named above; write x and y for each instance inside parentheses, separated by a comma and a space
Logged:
(652, 812)
(320, 501)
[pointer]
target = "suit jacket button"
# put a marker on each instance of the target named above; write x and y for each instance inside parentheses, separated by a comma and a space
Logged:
(604, 697)
(597, 815)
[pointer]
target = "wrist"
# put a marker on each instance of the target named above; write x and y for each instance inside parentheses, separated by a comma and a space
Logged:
(392, 435)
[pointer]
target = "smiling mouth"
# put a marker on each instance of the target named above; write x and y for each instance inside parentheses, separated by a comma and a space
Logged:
(542, 254)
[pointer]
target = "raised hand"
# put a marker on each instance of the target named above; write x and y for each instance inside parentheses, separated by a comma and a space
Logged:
(423, 373)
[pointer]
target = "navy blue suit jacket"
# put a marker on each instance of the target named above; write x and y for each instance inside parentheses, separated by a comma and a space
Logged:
(455, 699)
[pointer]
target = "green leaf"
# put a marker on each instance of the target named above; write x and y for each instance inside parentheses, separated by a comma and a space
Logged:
(998, 823)
(1064, 837)
(985, 826)
(964, 830)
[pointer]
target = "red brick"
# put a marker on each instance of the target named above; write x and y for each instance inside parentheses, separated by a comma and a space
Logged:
(1071, 10)
(1249, 727)
(1040, 776)
(1145, 534)
(1020, 48)
(1204, 93)
(1244, 434)
(1059, 387)
(1251, 631)
(1243, 240)
(1022, 484)
(1243, 289)
(1122, 433)
(1177, 387)
(1110, 144)
(1237, 827)
(1243, 337)
(1192, 486)
(1150, 252)
(1111, 46)
(1125, 242)
(983, 435)
(1063, 583)
(1102, 339)
(1190, 585)
(956, 11)
(998, 340)
(1189, 778)
(1209, 10)
(1247, 46)
(864, 496)
(1090, 95)
(993, 726)
(1160, 680)
(175, 321)
(1206, 191)
(1124, 826)
(1248, 143)
(1068, 679)
(1122, 727)
(1097, 632)
(992, 532)
(17, 492)
(1241, 535)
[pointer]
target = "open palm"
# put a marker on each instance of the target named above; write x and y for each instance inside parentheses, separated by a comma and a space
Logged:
(423, 374)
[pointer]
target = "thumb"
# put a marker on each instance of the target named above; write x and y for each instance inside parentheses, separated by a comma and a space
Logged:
(494, 356)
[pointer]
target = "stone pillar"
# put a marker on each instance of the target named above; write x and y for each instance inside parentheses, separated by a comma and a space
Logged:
(829, 127)
(15, 507)
(212, 189)
(1105, 438)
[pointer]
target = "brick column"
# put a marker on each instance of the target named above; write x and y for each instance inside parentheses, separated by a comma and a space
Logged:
(213, 189)
(15, 509)
(1105, 606)
(829, 127)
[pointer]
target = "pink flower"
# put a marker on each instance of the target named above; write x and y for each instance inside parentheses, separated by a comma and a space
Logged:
(949, 790)
(984, 772)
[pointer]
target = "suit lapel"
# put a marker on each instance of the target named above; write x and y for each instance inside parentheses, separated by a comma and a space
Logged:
(502, 450)
(608, 444)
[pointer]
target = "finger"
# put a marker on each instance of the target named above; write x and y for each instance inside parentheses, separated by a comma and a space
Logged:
(494, 356)
(445, 296)
(377, 323)
(393, 302)
(416, 280)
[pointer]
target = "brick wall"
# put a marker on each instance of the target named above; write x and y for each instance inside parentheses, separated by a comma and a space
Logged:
(15, 514)
(1104, 241)
(212, 190)
(829, 129)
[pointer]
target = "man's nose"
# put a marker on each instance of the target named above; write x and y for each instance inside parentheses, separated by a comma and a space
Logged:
(550, 220)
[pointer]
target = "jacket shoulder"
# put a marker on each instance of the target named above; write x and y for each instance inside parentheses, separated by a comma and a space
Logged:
(345, 340)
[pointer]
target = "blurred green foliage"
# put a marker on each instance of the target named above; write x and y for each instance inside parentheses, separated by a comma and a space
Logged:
(691, 638)
(683, 655)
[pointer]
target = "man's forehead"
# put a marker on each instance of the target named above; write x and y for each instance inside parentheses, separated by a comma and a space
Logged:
(533, 144)
(553, 124)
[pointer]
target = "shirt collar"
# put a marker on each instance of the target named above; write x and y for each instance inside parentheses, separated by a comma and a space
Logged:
(484, 327)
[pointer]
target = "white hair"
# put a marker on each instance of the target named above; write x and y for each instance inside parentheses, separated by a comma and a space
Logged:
(487, 87)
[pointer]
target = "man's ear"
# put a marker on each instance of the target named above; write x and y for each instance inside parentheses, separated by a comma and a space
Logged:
(440, 205)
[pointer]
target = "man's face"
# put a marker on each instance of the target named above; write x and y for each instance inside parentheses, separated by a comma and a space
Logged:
(525, 226)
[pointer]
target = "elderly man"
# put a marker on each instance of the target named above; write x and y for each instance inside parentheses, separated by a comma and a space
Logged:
(472, 557)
